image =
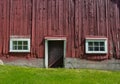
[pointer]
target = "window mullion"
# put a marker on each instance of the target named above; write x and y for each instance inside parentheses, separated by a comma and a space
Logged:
(22, 45)
(99, 46)
(17, 45)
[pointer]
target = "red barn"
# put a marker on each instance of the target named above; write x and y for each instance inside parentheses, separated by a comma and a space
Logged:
(60, 33)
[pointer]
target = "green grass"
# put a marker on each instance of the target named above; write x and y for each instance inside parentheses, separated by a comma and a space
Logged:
(27, 75)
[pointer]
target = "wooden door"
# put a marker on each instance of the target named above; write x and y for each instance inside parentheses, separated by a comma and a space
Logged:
(55, 54)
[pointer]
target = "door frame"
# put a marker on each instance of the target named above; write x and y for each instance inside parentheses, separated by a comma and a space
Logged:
(46, 48)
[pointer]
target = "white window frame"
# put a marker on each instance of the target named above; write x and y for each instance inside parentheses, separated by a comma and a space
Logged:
(19, 39)
(96, 40)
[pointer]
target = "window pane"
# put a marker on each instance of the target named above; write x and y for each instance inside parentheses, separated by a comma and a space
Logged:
(14, 47)
(19, 47)
(102, 49)
(25, 43)
(96, 43)
(20, 43)
(14, 43)
(102, 44)
(90, 43)
(96, 48)
(90, 49)
(25, 47)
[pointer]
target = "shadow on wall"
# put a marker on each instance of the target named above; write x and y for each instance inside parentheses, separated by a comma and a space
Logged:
(116, 2)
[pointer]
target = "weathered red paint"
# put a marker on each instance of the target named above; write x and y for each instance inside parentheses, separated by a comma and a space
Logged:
(74, 19)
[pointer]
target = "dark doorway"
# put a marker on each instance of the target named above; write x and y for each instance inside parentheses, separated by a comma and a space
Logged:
(55, 54)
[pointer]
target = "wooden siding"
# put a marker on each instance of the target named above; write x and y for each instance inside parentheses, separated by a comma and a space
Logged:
(75, 19)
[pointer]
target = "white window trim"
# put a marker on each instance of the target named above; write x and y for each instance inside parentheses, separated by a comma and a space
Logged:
(19, 39)
(96, 40)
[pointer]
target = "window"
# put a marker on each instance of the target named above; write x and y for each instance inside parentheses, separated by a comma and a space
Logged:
(19, 45)
(96, 45)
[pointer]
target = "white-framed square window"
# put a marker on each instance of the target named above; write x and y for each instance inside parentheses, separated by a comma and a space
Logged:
(19, 44)
(96, 46)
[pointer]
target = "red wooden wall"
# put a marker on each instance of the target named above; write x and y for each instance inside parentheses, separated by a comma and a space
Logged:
(74, 19)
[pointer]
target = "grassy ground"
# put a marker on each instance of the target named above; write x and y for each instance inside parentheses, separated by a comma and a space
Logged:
(27, 75)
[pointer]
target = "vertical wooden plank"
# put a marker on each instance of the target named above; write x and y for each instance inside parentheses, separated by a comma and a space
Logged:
(41, 31)
(111, 23)
(101, 19)
(4, 29)
(44, 22)
(53, 17)
(36, 33)
(11, 17)
(76, 37)
(3, 25)
(45, 8)
(25, 19)
(80, 53)
(17, 17)
(8, 25)
(36, 29)
(64, 16)
(91, 17)
(94, 16)
(1, 29)
(78, 27)
(61, 17)
(49, 17)
(29, 18)
(72, 25)
(97, 10)
(117, 26)
(84, 23)
(107, 25)
(33, 28)
(69, 30)
(95, 19)
(109, 33)
(66, 31)
(57, 31)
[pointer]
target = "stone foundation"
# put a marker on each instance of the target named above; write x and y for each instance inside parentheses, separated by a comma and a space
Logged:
(111, 64)
(32, 62)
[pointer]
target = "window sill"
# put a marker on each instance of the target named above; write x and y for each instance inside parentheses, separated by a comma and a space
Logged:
(16, 51)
